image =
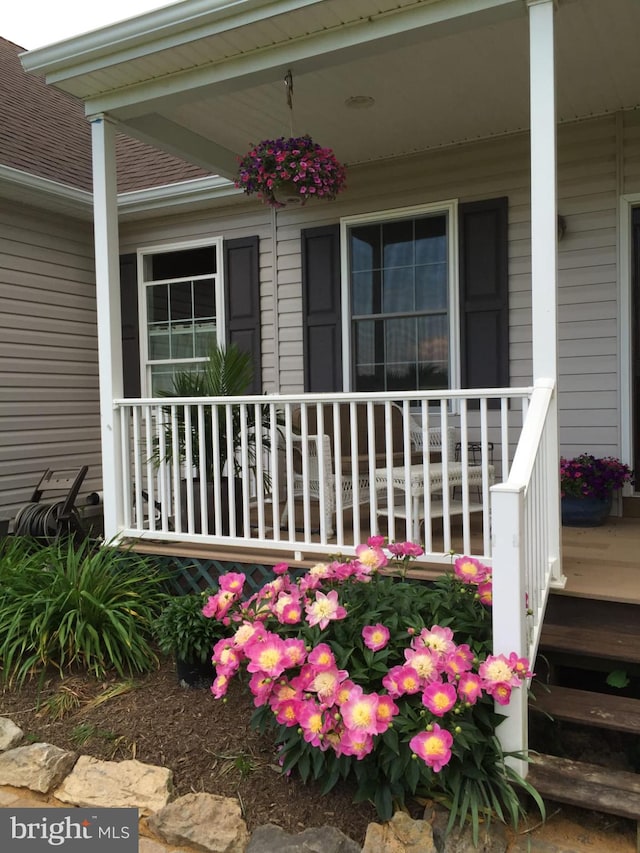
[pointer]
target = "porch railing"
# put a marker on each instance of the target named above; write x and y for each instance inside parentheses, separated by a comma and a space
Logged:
(319, 473)
(526, 550)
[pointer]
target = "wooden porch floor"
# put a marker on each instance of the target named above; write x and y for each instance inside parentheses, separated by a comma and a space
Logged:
(603, 562)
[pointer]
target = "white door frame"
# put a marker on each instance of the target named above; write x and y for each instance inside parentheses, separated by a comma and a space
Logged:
(625, 330)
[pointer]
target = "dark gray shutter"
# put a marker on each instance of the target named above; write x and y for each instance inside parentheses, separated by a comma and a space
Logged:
(242, 296)
(321, 308)
(130, 329)
(484, 293)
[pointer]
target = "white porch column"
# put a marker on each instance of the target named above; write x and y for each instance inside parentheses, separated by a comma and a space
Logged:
(544, 230)
(544, 242)
(105, 215)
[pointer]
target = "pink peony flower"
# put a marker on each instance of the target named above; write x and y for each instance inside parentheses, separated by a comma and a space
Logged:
(433, 747)
(375, 637)
(360, 712)
(520, 666)
(387, 709)
(405, 549)
(497, 669)
(370, 557)
(470, 570)
(324, 609)
(280, 568)
(485, 592)
(459, 661)
(267, 656)
(295, 652)
(439, 698)
(500, 692)
(311, 721)
(424, 662)
(356, 743)
(439, 640)
(327, 683)
(322, 657)
(261, 686)
(232, 582)
(220, 686)
(469, 687)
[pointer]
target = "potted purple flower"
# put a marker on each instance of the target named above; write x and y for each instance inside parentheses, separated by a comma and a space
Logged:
(290, 169)
(587, 485)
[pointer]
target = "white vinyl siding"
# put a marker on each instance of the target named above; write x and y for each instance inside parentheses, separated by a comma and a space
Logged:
(49, 412)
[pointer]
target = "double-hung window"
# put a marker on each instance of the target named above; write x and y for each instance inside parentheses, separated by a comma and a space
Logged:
(400, 322)
(182, 309)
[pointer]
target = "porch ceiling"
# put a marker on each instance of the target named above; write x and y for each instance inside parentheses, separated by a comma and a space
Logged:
(205, 86)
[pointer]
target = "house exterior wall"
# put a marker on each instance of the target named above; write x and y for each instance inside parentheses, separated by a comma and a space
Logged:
(597, 160)
(49, 414)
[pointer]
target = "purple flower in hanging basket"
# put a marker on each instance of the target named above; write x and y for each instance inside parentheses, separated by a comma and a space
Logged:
(309, 170)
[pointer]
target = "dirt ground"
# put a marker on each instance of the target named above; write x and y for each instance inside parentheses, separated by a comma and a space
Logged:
(211, 747)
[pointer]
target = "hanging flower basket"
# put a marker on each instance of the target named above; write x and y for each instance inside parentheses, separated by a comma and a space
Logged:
(296, 169)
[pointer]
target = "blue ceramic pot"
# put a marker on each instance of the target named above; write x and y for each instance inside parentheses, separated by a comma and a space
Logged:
(585, 511)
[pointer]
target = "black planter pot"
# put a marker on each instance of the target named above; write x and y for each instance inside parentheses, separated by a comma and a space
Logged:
(585, 511)
(222, 497)
(195, 673)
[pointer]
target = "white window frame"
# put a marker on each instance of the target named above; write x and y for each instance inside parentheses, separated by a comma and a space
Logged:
(143, 331)
(450, 209)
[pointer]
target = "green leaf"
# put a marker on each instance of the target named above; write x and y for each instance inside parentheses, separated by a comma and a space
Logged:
(618, 678)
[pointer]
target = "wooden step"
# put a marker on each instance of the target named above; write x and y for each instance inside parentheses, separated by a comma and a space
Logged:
(607, 643)
(604, 710)
(588, 786)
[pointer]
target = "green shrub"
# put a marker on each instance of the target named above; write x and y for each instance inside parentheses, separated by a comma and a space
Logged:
(63, 606)
(183, 631)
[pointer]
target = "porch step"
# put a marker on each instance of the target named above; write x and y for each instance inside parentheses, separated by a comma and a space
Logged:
(596, 642)
(603, 710)
(588, 786)
(592, 628)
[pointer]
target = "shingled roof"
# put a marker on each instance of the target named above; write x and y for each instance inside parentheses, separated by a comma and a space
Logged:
(44, 132)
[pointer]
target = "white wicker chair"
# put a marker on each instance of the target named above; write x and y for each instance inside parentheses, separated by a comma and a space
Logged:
(316, 475)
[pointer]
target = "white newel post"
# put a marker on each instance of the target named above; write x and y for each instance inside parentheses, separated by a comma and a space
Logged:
(509, 626)
(544, 243)
(105, 215)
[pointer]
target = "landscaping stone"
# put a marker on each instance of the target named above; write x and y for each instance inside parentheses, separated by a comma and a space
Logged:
(38, 766)
(401, 834)
(10, 734)
(323, 839)
(204, 821)
(116, 784)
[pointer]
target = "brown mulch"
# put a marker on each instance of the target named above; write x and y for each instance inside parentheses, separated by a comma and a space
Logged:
(210, 746)
(207, 743)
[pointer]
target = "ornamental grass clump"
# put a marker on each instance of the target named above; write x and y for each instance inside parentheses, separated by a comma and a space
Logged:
(308, 169)
(369, 677)
(85, 607)
(590, 476)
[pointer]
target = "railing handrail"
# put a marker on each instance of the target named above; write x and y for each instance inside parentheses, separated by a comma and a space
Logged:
(527, 448)
(333, 397)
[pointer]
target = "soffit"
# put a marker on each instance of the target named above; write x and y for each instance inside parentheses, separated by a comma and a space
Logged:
(432, 86)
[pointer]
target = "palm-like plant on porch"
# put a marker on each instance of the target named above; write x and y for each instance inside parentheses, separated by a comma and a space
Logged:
(229, 438)
(227, 373)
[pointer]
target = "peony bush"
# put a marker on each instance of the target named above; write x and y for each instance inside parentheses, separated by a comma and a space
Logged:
(368, 677)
